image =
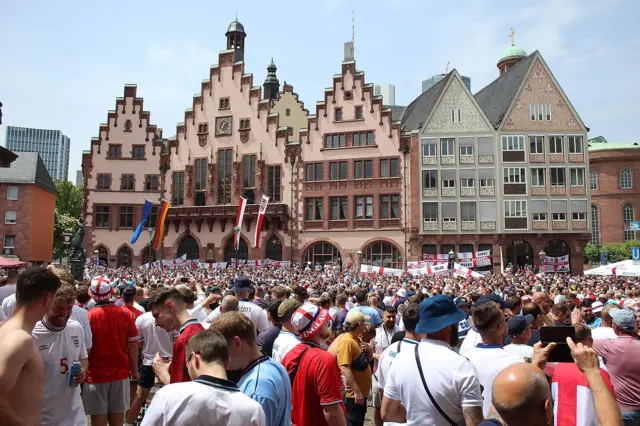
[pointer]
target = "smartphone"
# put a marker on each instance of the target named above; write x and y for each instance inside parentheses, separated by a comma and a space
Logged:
(558, 335)
(184, 280)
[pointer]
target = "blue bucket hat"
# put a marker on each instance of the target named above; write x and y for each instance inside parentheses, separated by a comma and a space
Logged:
(438, 312)
(241, 285)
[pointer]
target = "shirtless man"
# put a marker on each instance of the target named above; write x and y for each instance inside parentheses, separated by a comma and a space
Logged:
(21, 366)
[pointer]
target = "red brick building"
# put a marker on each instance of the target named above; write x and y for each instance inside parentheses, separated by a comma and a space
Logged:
(615, 199)
(27, 209)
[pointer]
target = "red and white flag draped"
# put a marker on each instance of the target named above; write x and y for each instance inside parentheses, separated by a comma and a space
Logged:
(434, 259)
(475, 259)
(463, 271)
(556, 264)
(242, 205)
(429, 270)
(380, 270)
(261, 213)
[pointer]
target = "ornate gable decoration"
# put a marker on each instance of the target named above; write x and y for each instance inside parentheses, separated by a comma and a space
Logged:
(541, 104)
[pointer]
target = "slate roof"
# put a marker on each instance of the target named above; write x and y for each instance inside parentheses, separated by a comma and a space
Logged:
(397, 111)
(419, 110)
(28, 168)
(496, 98)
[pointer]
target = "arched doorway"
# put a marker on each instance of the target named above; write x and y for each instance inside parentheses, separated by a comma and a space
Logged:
(230, 253)
(103, 255)
(323, 253)
(557, 248)
(520, 253)
(148, 255)
(123, 258)
(190, 247)
(382, 253)
(273, 250)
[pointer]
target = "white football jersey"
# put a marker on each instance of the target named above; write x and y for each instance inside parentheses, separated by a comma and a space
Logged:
(80, 315)
(283, 344)
(255, 313)
(62, 405)
(9, 305)
(154, 339)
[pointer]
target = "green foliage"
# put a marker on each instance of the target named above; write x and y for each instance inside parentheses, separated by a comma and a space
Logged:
(615, 252)
(63, 223)
(69, 198)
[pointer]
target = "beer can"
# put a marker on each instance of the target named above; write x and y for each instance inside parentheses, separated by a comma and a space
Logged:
(74, 368)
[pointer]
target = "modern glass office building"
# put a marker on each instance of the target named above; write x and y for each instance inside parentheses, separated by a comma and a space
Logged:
(52, 146)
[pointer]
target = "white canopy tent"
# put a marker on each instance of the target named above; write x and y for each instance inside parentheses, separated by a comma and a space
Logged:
(625, 268)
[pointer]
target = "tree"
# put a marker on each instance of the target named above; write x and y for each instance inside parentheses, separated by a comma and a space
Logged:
(614, 252)
(68, 209)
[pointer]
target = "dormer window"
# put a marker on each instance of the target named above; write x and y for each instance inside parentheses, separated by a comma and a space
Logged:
(127, 126)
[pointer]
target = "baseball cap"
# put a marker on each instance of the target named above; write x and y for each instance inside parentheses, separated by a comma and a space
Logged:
(518, 324)
(242, 284)
(624, 319)
(287, 307)
(355, 317)
(492, 297)
(100, 289)
(402, 292)
(602, 296)
(308, 319)
(596, 307)
(461, 301)
(438, 312)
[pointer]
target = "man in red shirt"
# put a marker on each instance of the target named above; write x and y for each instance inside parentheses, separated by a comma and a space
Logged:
(316, 384)
(170, 312)
(113, 358)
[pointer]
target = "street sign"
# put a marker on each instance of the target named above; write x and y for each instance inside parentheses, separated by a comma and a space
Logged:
(635, 226)
(635, 255)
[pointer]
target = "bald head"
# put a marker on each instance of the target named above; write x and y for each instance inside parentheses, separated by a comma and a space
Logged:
(521, 395)
(229, 304)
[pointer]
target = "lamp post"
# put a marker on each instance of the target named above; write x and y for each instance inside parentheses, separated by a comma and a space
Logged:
(150, 245)
(542, 255)
(452, 257)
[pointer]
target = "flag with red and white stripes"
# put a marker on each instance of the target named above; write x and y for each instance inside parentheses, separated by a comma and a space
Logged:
(261, 213)
(242, 205)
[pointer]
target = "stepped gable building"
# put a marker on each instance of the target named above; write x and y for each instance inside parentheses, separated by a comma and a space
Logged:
(504, 168)
(613, 181)
(350, 195)
(120, 171)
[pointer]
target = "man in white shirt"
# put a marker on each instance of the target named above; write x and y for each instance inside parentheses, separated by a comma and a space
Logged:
(154, 340)
(242, 287)
(10, 286)
(210, 399)
(60, 341)
(288, 337)
(519, 328)
(411, 316)
(605, 331)
(473, 337)
(384, 335)
(451, 378)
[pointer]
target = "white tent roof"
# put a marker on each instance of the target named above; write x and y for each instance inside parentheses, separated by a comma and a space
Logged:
(626, 268)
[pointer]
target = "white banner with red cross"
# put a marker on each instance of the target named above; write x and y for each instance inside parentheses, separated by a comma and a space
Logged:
(556, 264)
(434, 259)
(380, 270)
(429, 270)
(475, 259)
(463, 271)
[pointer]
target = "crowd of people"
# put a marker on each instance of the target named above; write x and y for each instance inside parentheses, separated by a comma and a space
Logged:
(321, 346)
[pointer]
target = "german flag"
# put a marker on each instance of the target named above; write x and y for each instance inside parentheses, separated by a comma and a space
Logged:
(162, 215)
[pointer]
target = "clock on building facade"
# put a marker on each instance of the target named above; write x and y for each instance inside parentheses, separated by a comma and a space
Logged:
(223, 126)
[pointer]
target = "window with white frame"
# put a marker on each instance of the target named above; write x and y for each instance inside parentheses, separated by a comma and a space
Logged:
(547, 112)
(593, 179)
(429, 179)
(516, 208)
(577, 177)
(486, 182)
(467, 183)
(537, 177)
(9, 241)
(448, 183)
(595, 225)
(579, 216)
(429, 150)
(456, 116)
(536, 144)
(628, 217)
(540, 112)
(625, 179)
(10, 217)
(12, 193)
(447, 147)
(513, 143)
(539, 217)
(466, 150)
(559, 216)
(557, 176)
(555, 144)
(515, 175)
(575, 144)
(430, 212)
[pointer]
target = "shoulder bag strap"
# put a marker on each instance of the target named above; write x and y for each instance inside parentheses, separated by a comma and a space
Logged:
(293, 374)
(433, 401)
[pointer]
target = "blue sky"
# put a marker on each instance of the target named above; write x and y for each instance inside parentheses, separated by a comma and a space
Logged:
(63, 63)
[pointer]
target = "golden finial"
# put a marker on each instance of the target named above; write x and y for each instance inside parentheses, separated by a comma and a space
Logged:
(512, 34)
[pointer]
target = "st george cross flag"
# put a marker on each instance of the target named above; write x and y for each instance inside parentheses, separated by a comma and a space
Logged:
(261, 213)
(145, 216)
(242, 205)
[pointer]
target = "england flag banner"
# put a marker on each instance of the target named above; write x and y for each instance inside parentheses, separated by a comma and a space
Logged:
(434, 259)
(429, 270)
(556, 264)
(380, 270)
(473, 260)
(463, 271)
